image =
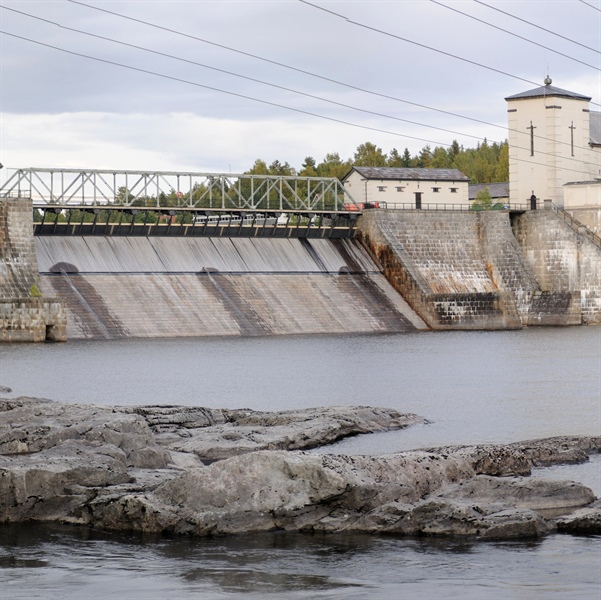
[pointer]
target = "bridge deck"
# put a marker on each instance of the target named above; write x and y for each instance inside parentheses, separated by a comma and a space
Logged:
(143, 221)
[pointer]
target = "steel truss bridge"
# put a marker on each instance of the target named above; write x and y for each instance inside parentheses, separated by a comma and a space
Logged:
(168, 189)
(166, 203)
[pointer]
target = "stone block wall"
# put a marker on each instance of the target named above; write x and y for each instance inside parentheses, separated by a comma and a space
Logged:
(590, 217)
(32, 320)
(25, 314)
(563, 261)
(437, 262)
(504, 261)
(469, 270)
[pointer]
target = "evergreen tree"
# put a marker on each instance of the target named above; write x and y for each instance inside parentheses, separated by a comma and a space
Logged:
(395, 159)
(369, 155)
(425, 157)
(406, 158)
(440, 159)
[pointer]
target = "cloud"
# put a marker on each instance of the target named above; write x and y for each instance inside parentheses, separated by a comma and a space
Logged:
(64, 110)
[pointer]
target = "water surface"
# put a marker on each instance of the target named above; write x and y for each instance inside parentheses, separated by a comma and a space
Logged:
(473, 386)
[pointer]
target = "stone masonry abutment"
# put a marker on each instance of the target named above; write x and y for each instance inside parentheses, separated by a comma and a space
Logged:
(469, 271)
(26, 315)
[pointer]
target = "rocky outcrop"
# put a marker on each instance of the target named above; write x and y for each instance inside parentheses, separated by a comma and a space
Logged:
(213, 434)
(199, 471)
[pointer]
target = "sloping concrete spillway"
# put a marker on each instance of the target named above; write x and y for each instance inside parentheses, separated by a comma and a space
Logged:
(116, 287)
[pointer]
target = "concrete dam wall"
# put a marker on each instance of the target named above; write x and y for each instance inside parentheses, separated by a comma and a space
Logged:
(468, 270)
(167, 287)
(406, 270)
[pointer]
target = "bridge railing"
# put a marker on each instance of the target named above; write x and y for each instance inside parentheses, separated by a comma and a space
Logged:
(165, 189)
(447, 206)
(576, 225)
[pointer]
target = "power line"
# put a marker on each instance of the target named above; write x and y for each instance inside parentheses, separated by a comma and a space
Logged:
(590, 5)
(246, 97)
(246, 77)
(398, 37)
(214, 89)
(285, 66)
(563, 37)
(392, 35)
(298, 70)
(513, 34)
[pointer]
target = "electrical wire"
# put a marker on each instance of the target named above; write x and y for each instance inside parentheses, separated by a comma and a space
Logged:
(392, 35)
(246, 77)
(349, 86)
(460, 12)
(246, 97)
(591, 6)
(215, 89)
(285, 66)
(403, 39)
(563, 37)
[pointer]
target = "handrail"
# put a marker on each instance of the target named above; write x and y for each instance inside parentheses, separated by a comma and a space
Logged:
(447, 206)
(576, 225)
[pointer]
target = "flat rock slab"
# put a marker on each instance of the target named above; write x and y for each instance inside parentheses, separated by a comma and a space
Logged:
(242, 431)
(204, 471)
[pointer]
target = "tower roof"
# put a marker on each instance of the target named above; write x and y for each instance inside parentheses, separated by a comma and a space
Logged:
(548, 91)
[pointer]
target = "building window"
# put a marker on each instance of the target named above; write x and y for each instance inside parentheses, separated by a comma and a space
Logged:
(400, 188)
(381, 188)
(453, 190)
(436, 189)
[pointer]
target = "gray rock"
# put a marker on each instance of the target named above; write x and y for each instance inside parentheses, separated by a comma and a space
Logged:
(585, 521)
(215, 435)
(56, 483)
(558, 450)
(140, 468)
(521, 492)
(32, 425)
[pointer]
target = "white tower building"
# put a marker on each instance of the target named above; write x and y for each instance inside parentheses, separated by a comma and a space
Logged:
(554, 139)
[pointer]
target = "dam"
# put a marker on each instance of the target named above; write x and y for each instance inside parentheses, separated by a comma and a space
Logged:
(157, 287)
(287, 264)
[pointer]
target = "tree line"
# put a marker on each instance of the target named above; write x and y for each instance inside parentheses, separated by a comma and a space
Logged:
(487, 163)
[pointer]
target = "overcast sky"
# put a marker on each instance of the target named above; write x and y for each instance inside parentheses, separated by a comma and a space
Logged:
(64, 110)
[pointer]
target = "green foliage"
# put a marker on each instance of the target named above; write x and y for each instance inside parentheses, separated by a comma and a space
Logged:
(487, 163)
(483, 200)
(34, 291)
(395, 159)
(369, 155)
(333, 166)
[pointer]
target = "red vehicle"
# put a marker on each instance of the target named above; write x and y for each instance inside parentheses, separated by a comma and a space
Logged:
(361, 206)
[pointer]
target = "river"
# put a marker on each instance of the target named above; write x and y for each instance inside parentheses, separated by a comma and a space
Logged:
(473, 387)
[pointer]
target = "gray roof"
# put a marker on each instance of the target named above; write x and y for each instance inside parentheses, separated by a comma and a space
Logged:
(496, 190)
(595, 127)
(407, 174)
(548, 90)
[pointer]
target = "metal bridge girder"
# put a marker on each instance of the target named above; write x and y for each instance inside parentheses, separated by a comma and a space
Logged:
(66, 187)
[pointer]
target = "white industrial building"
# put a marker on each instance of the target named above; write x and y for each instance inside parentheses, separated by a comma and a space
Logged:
(392, 187)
